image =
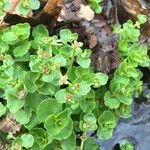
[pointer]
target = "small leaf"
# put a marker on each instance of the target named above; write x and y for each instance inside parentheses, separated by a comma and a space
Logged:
(21, 30)
(104, 134)
(142, 18)
(86, 105)
(47, 89)
(84, 62)
(99, 79)
(35, 4)
(61, 96)
(40, 31)
(124, 98)
(80, 88)
(9, 37)
(62, 119)
(33, 122)
(65, 35)
(59, 60)
(14, 104)
(66, 51)
(22, 49)
(33, 100)
(107, 120)
(27, 140)
(124, 111)
(69, 143)
(30, 78)
(50, 125)
(24, 10)
(48, 107)
(2, 109)
(88, 123)
(90, 144)
(4, 47)
(65, 132)
(111, 102)
(23, 116)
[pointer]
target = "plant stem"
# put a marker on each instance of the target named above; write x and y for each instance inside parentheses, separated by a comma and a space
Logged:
(72, 60)
(21, 60)
(82, 143)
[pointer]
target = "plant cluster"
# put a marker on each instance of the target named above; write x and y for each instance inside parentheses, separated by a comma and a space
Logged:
(4, 4)
(24, 6)
(95, 5)
(126, 81)
(126, 145)
(48, 85)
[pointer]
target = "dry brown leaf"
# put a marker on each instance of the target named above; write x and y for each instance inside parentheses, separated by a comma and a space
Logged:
(86, 12)
(9, 124)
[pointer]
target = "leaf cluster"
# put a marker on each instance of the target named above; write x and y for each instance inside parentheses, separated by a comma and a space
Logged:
(4, 4)
(126, 82)
(126, 145)
(95, 5)
(47, 83)
(24, 6)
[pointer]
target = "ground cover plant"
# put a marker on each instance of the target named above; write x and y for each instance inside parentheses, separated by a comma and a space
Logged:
(48, 85)
(51, 95)
(24, 6)
(95, 5)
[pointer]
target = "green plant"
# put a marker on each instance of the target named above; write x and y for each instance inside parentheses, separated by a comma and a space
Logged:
(49, 86)
(24, 6)
(126, 80)
(95, 5)
(126, 145)
(4, 4)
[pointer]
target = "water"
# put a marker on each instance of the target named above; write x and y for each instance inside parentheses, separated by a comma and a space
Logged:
(135, 129)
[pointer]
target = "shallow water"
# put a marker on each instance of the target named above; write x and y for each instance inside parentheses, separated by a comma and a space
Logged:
(135, 129)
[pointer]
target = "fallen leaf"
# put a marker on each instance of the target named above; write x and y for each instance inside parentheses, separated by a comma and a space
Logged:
(86, 12)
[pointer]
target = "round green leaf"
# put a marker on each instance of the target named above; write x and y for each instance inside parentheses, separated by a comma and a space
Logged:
(48, 107)
(65, 35)
(111, 102)
(107, 120)
(27, 140)
(90, 144)
(50, 125)
(69, 143)
(104, 134)
(99, 79)
(61, 96)
(84, 62)
(14, 104)
(23, 116)
(47, 89)
(9, 37)
(35, 4)
(22, 49)
(40, 31)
